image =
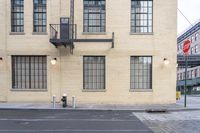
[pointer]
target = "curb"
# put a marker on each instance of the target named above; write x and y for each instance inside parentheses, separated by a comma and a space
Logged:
(97, 109)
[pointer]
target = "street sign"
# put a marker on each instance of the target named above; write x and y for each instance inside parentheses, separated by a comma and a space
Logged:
(186, 47)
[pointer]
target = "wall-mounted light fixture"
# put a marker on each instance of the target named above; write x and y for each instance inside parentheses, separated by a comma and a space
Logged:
(166, 61)
(53, 61)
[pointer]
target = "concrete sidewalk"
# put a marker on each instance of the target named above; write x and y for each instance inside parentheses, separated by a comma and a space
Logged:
(136, 108)
(193, 103)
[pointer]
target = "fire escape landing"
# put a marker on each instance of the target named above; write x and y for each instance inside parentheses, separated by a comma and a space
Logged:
(65, 33)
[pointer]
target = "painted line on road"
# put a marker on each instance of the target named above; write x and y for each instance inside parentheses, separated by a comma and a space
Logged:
(77, 130)
(32, 120)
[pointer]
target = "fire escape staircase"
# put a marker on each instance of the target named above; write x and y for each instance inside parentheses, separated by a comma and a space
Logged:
(65, 33)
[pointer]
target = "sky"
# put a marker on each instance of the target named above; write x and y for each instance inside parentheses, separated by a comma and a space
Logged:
(191, 9)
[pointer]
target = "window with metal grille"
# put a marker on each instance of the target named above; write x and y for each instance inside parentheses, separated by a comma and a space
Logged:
(17, 15)
(178, 76)
(40, 16)
(196, 48)
(181, 76)
(197, 36)
(195, 73)
(141, 16)
(141, 72)
(94, 16)
(188, 74)
(94, 72)
(29, 72)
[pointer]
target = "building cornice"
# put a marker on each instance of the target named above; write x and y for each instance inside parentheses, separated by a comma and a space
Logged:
(189, 32)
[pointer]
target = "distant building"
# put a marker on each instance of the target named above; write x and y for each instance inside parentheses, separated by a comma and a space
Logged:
(52, 47)
(193, 73)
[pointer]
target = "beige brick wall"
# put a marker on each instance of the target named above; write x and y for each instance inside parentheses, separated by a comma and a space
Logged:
(67, 75)
(3, 66)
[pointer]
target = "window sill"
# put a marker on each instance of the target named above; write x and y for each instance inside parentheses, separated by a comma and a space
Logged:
(133, 33)
(39, 33)
(94, 90)
(17, 33)
(141, 90)
(29, 90)
(94, 33)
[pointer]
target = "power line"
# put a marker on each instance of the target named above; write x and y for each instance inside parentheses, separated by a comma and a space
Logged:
(185, 17)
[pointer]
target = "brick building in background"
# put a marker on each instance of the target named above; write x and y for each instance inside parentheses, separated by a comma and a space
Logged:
(193, 73)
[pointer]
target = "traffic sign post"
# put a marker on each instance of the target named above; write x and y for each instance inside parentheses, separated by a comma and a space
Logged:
(186, 48)
(185, 87)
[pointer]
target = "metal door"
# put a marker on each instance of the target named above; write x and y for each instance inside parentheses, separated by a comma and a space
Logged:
(64, 28)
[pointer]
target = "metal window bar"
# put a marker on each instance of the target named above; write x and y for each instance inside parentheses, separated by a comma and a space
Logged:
(94, 72)
(40, 17)
(28, 72)
(17, 15)
(141, 72)
(94, 16)
(141, 15)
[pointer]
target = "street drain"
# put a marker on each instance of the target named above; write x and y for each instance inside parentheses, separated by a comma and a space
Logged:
(156, 110)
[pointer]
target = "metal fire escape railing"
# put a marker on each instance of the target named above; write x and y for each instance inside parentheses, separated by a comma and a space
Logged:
(66, 33)
(56, 36)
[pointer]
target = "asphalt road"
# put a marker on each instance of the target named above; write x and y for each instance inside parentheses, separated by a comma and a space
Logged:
(63, 121)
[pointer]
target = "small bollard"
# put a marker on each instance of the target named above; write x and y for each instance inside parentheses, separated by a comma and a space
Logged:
(74, 102)
(64, 100)
(54, 101)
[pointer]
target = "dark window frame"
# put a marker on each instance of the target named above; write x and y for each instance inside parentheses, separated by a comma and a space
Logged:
(196, 36)
(17, 15)
(196, 73)
(188, 74)
(133, 23)
(150, 78)
(40, 23)
(87, 27)
(103, 85)
(181, 76)
(178, 76)
(27, 72)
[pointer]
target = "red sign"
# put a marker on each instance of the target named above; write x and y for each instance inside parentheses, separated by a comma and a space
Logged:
(186, 47)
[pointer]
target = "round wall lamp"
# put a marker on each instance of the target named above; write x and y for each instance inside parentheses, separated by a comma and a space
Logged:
(166, 61)
(53, 61)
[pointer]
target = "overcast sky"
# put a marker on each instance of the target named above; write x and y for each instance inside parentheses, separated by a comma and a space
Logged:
(191, 9)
